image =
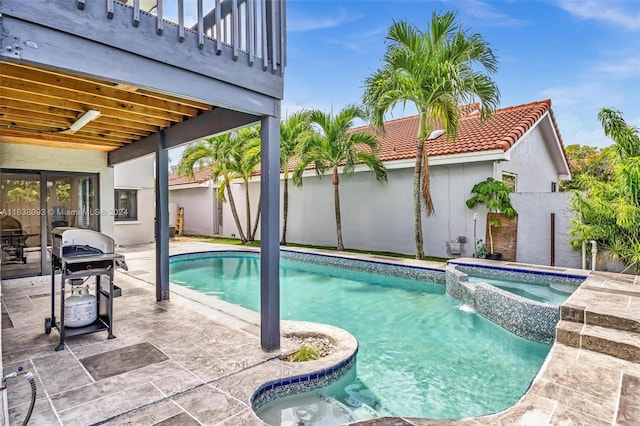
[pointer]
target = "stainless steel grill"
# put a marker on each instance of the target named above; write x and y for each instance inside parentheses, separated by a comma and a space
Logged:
(80, 254)
(77, 249)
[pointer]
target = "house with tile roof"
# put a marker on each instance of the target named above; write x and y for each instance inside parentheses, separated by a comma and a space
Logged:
(520, 145)
(203, 212)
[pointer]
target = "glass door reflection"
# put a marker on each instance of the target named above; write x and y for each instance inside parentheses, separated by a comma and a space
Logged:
(20, 224)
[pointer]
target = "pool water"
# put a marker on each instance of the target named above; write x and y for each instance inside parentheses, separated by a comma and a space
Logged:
(542, 292)
(420, 352)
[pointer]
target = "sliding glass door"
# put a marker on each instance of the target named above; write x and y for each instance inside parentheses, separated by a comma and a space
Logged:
(71, 200)
(32, 203)
(20, 224)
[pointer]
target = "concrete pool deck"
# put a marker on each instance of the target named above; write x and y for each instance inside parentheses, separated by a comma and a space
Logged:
(197, 360)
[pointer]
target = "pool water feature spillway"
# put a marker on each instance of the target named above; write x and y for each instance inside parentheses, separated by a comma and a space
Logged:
(420, 353)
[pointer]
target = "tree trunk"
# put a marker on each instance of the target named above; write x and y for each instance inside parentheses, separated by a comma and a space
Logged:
(285, 209)
(429, 209)
(336, 197)
(234, 212)
(255, 224)
(248, 207)
(417, 200)
(490, 238)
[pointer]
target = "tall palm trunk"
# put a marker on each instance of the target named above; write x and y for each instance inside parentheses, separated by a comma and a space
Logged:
(285, 208)
(255, 224)
(336, 197)
(417, 204)
(248, 207)
(429, 209)
(234, 212)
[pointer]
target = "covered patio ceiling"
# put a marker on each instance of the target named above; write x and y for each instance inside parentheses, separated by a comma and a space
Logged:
(38, 107)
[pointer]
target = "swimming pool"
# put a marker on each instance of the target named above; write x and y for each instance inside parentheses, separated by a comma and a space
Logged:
(421, 353)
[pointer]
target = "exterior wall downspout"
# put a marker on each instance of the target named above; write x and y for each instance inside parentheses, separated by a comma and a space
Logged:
(270, 234)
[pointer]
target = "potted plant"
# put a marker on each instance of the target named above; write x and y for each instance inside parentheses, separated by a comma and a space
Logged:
(495, 195)
(481, 250)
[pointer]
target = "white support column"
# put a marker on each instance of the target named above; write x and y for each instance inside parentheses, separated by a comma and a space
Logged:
(270, 234)
(162, 219)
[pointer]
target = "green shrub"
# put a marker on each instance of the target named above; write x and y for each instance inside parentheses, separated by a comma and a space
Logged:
(305, 353)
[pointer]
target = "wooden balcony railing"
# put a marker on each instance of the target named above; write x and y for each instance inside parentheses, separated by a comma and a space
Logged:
(253, 29)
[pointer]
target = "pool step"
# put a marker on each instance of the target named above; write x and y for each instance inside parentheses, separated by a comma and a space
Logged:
(623, 318)
(621, 344)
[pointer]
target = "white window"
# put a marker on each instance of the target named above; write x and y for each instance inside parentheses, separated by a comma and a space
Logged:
(510, 180)
(126, 204)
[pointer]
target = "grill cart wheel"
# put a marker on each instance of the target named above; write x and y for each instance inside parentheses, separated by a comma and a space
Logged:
(47, 325)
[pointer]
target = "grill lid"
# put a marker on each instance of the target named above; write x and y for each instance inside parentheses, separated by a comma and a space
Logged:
(83, 241)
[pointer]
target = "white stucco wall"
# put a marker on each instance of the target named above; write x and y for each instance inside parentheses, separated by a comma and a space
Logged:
(380, 216)
(531, 162)
(229, 228)
(376, 216)
(534, 228)
(199, 209)
(30, 157)
(138, 175)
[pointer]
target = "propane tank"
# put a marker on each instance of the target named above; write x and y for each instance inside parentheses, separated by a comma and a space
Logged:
(80, 308)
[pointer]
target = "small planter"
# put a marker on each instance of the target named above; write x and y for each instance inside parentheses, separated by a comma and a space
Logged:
(312, 346)
(494, 256)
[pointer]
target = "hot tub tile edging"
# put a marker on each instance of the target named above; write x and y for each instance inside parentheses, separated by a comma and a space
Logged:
(506, 272)
(301, 383)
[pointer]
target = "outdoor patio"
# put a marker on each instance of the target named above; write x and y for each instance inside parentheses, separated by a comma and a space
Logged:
(196, 360)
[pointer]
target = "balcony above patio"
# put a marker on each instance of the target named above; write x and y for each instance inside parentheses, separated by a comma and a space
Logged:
(145, 65)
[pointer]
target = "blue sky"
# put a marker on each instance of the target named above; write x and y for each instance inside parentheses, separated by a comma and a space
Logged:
(581, 54)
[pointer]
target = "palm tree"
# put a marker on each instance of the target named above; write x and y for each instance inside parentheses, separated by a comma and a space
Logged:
(293, 131)
(332, 145)
(609, 212)
(246, 156)
(625, 136)
(230, 155)
(436, 70)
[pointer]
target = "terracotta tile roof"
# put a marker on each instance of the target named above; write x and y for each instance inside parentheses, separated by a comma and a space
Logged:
(501, 131)
(200, 176)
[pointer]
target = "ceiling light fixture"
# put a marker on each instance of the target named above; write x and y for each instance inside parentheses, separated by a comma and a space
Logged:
(83, 120)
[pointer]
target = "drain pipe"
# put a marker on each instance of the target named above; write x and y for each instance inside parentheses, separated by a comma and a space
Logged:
(32, 382)
(594, 253)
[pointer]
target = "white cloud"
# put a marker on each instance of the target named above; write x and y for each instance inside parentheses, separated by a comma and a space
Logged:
(362, 41)
(629, 67)
(347, 44)
(625, 14)
(569, 96)
(296, 22)
(489, 15)
(576, 130)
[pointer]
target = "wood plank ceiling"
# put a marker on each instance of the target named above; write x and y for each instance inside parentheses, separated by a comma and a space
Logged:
(37, 107)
